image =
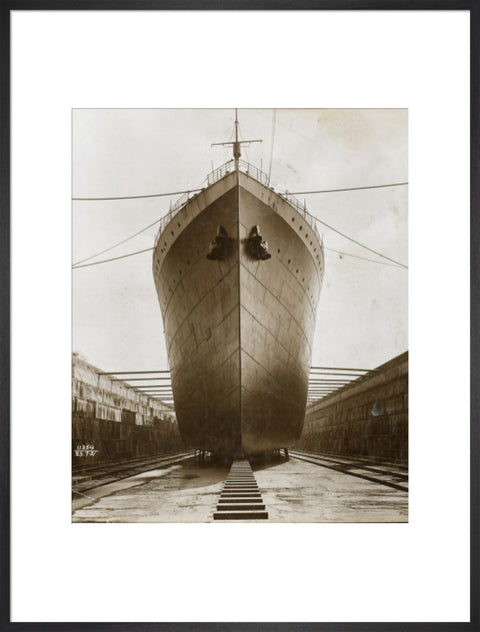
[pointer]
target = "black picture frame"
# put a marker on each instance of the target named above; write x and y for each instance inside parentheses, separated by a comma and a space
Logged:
(473, 7)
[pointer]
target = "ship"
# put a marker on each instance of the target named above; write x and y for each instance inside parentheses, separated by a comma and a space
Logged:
(238, 268)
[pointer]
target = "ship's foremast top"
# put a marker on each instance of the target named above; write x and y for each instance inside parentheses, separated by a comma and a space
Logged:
(236, 143)
(238, 166)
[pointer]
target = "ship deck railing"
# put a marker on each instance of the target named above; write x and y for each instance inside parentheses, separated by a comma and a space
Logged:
(221, 172)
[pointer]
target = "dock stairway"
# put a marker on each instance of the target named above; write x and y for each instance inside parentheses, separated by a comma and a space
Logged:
(240, 498)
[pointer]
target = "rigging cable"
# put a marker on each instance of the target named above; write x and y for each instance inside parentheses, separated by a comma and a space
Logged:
(119, 243)
(374, 186)
(273, 138)
(96, 263)
(349, 254)
(132, 197)
(289, 129)
(151, 195)
(335, 230)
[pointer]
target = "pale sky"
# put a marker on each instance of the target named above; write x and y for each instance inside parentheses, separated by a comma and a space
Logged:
(362, 316)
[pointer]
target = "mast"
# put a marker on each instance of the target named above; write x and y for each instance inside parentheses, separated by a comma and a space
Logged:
(237, 143)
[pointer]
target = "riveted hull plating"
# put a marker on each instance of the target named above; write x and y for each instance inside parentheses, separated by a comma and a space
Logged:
(239, 331)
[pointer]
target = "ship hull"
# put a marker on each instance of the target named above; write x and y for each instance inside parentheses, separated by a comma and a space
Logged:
(239, 331)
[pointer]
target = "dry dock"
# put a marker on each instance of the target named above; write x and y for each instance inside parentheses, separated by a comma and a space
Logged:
(292, 490)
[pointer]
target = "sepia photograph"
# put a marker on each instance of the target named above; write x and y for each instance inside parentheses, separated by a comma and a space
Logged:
(240, 286)
(240, 315)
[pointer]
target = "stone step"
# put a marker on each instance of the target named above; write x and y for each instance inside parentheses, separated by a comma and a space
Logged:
(240, 515)
(240, 495)
(247, 492)
(240, 478)
(240, 506)
(240, 499)
(240, 486)
(246, 481)
(240, 489)
(237, 487)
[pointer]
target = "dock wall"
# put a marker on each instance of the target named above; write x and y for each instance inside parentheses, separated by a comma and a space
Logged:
(368, 418)
(111, 420)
